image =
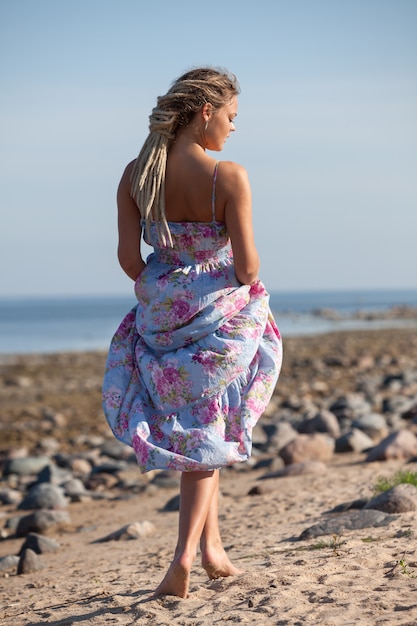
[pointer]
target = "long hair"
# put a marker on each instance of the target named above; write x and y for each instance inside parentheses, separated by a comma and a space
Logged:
(173, 111)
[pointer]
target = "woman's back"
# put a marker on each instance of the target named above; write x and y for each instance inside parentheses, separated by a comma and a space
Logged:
(189, 185)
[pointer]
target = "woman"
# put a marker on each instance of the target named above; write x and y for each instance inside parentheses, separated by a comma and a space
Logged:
(194, 364)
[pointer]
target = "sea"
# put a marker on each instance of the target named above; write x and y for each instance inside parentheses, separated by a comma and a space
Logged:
(83, 323)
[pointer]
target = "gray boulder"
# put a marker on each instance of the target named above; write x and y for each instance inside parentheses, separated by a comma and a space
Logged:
(372, 424)
(354, 441)
(44, 496)
(29, 562)
(40, 522)
(401, 444)
(26, 466)
(352, 520)
(315, 447)
(39, 544)
(322, 422)
(399, 499)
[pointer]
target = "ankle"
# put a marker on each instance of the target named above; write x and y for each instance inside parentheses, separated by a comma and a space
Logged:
(185, 558)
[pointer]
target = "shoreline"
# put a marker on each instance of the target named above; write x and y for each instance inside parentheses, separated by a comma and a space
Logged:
(296, 326)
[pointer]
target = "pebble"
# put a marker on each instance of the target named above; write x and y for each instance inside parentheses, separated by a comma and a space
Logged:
(372, 424)
(323, 422)
(74, 488)
(40, 522)
(109, 467)
(135, 530)
(116, 450)
(167, 479)
(279, 435)
(350, 406)
(172, 505)
(8, 562)
(10, 496)
(30, 465)
(354, 441)
(39, 544)
(54, 474)
(29, 562)
(44, 496)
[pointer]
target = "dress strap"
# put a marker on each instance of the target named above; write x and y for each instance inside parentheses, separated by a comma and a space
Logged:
(213, 193)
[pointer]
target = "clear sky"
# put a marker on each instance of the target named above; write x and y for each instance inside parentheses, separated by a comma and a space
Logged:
(327, 129)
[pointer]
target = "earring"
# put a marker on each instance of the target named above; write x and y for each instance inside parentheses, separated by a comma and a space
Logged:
(206, 126)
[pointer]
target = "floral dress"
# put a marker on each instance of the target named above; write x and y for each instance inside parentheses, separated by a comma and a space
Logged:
(194, 364)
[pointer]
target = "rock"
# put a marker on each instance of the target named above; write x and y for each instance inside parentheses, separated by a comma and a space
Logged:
(136, 530)
(167, 479)
(353, 520)
(26, 466)
(18, 453)
(12, 524)
(398, 499)
(74, 489)
(172, 505)
(271, 463)
(56, 420)
(372, 424)
(393, 381)
(8, 563)
(259, 437)
(29, 562)
(365, 362)
(110, 467)
(44, 496)
(48, 445)
(398, 404)
(53, 474)
(349, 406)
(40, 522)
(10, 496)
(101, 481)
(315, 447)
(349, 506)
(354, 441)
(410, 413)
(116, 450)
(297, 469)
(90, 441)
(279, 434)
(80, 467)
(18, 381)
(39, 544)
(401, 444)
(322, 422)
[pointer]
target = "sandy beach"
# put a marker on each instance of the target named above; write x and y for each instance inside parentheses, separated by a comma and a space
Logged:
(51, 405)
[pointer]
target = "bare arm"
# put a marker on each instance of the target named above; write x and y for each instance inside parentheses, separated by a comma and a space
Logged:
(129, 227)
(238, 218)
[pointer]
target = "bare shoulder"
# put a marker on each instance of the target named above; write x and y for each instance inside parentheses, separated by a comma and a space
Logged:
(233, 175)
(127, 173)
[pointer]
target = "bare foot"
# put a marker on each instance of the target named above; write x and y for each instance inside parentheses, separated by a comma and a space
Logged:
(176, 581)
(218, 565)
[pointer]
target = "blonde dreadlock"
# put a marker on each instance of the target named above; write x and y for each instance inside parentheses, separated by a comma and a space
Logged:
(173, 110)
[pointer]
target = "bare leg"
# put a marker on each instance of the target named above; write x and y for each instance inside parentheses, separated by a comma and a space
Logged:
(197, 489)
(213, 556)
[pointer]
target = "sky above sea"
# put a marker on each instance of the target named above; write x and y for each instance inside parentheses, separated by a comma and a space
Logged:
(327, 129)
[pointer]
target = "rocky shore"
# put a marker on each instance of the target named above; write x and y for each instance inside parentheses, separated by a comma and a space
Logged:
(86, 537)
